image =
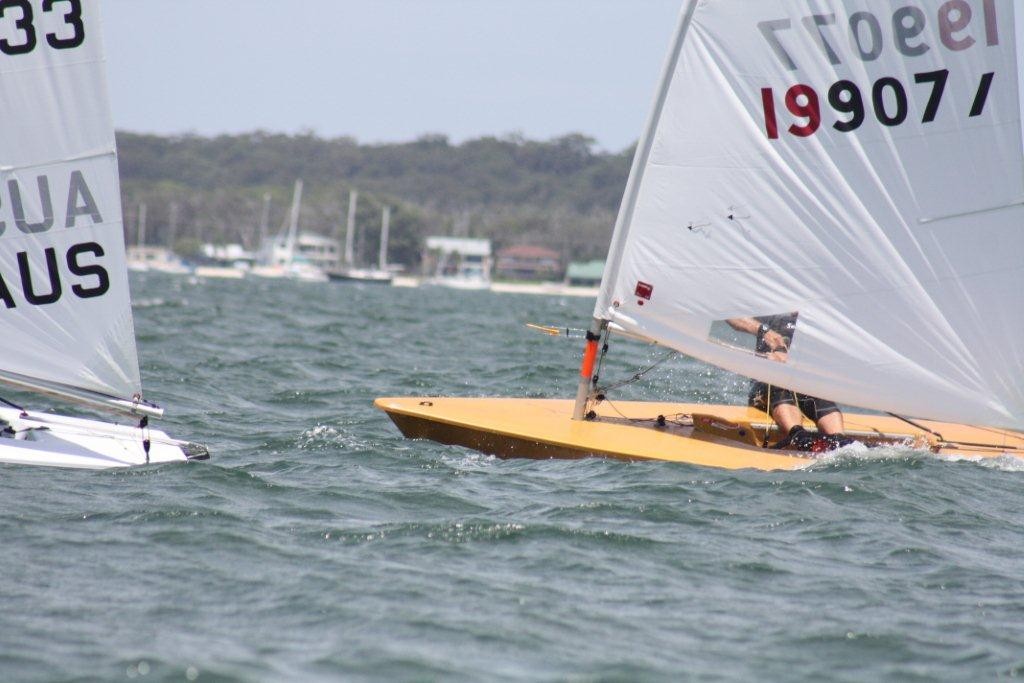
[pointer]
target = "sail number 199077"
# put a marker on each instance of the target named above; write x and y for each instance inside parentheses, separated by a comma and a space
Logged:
(21, 37)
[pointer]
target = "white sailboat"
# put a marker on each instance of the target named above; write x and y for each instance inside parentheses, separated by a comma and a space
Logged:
(860, 164)
(282, 257)
(136, 258)
(166, 261)
(144, 258)
(66, 326)
(348, 272)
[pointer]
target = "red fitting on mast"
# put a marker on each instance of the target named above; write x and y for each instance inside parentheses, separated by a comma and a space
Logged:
(589, 358)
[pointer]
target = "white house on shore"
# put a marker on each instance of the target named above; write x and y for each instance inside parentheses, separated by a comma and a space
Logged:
(458, 262)
(316, 250)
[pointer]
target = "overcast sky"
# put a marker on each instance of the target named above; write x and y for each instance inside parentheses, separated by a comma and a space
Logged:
(388, 70)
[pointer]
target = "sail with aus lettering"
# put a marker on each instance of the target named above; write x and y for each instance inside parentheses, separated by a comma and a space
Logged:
(857, 166)
(66, 325)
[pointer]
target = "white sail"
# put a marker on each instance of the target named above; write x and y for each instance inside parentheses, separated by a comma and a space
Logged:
(858, 162)
(65, 311)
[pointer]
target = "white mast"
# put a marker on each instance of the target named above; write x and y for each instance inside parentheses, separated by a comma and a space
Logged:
(385, 227)
(611, 268)
(172, 229)
(350, 228)
(264, 220)
(643, 153)
(140, 235)
(293, 222)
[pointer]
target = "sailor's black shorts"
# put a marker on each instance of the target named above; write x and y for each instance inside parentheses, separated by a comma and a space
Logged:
(763, 397)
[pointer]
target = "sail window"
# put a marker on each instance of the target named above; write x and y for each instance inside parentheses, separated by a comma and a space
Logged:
(767, 336)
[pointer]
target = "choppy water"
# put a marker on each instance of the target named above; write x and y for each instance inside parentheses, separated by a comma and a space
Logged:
(320, 545)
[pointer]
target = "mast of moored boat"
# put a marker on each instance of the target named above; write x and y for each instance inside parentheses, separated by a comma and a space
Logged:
(293, 223)
(264, 221)
(140, 231)
(172, 225)
(350, 228)
(385, 227)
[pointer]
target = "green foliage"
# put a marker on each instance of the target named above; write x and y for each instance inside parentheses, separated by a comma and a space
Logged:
(560, 193)
(189, 248)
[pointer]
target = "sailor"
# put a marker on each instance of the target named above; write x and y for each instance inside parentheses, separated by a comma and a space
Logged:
(774, 335)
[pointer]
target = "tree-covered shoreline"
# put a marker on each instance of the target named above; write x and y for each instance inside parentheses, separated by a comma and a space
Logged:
(560, 193)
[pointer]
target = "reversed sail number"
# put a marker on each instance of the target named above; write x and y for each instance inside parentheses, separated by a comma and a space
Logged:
(865, 32)
(21, 37)
(888, 97)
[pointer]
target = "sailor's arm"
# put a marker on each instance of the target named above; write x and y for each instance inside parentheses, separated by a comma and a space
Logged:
(748, 325)
(755, 327)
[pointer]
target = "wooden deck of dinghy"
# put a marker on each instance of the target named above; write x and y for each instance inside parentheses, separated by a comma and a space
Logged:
(728, 437)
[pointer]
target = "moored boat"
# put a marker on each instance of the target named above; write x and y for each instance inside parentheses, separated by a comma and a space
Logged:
(348, 272)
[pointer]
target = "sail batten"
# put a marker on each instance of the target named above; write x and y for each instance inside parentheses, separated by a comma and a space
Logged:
(867, 182)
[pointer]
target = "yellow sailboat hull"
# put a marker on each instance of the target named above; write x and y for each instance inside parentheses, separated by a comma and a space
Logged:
(728, 437)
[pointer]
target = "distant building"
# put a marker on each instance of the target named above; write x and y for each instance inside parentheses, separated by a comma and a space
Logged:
(527, 262)
(585, 273)
(317, 250)
(461, 262)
